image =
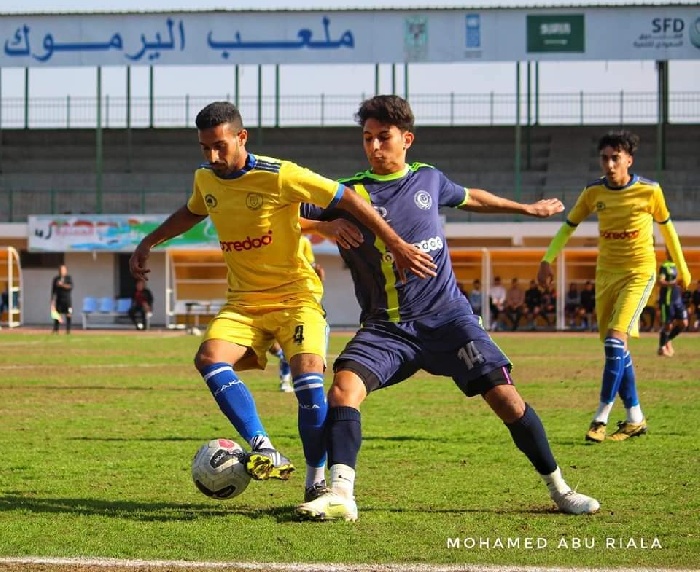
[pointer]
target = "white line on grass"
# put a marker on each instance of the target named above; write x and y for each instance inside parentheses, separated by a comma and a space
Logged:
(108, 563)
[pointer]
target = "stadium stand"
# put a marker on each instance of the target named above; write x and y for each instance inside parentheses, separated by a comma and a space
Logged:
(557, 161)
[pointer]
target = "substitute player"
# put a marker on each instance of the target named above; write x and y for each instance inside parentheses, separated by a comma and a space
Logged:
(674, 314)
(626, 206)
(273, 293)
(419, 324)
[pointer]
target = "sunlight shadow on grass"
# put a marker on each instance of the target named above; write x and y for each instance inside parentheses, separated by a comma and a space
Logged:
(131, 510)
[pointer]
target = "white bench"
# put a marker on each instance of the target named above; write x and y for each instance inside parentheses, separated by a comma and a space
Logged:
(107, 313)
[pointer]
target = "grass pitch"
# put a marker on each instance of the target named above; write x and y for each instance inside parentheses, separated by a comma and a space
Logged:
(98, 431)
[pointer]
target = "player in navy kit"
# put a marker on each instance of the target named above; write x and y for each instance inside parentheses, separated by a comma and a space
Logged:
(674, 314)
(409, 324)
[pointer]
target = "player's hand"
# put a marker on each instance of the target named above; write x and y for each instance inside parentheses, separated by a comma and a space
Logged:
(320, 272)
(138, 263)
(685, 279)
(545, 208)
(408, 257)
(544, 274)
(342, 232)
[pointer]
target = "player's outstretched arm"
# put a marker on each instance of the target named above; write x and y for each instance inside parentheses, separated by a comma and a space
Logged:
(483, 201)
(668, 231)
(406, 256)
(180, 221)
(342, 232)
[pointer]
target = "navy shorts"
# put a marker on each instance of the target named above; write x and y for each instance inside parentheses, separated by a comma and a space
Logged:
(674, 311)
(453, 345)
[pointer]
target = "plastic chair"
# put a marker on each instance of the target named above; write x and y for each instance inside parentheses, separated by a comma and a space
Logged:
(89, 305)
(123, 305)
(106, 305)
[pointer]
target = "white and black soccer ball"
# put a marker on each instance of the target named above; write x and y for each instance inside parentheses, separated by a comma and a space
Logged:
(218, 469)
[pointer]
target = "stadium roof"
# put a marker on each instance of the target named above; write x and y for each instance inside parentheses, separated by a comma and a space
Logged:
(316, 5)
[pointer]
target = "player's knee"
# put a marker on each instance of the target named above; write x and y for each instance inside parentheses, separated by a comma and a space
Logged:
(506, 402)
(204, 357)
(347, 390)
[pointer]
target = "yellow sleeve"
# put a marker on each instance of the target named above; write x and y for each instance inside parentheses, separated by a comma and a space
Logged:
(659, 209)
(581, 210)
(301, 185)
(585, 204)
(196, 204)
(559, 241)
(674, 248)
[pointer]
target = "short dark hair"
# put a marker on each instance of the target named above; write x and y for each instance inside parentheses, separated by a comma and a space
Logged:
(622, 140)
(388, 109)
(219, 113)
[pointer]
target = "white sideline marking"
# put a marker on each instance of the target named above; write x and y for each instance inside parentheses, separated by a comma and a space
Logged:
(297, 567)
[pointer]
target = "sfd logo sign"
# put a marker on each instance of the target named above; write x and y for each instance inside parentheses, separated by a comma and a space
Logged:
(663, 25)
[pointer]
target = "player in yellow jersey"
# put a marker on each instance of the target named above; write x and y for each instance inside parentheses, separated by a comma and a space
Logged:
(626, 205)
(285, 372)
(273, 292)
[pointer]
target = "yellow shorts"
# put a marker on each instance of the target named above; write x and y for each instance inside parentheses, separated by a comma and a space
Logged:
(620, 299)
(299, 330)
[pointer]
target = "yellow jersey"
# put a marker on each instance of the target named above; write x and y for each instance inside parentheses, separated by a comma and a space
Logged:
(625, 222)
(306, 250)
(256, 215)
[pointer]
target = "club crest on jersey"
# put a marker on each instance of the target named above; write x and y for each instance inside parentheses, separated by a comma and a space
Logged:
(210, 201)
(600, 206)
(381, 211)
(254, 201)
(423, 200)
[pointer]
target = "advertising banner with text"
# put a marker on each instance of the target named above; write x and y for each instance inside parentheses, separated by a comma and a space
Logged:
(344, 36)
(121, 233)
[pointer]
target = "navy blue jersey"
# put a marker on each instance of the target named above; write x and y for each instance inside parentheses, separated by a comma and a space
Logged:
(409, 202)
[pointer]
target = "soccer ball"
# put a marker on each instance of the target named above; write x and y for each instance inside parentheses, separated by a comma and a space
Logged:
(218, 469)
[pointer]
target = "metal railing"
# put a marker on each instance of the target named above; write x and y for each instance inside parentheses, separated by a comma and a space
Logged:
(17, 205)
(337, 110)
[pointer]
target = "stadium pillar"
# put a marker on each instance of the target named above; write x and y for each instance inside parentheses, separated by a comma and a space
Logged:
(277, 95)
(151, 101)
(537, 93)
(405, 81)
(376, 79)
(662, 116)
(98, 145)
(518, 134)
(528, 142)
(128, 119)
(393, 79)
(26, 98)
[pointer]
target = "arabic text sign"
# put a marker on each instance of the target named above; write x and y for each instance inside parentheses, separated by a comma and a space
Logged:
(201, 38)
(149, 39)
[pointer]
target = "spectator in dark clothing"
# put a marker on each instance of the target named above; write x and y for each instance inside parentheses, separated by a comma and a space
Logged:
(588, 305)
(141, 308)
(61, 299)
(533, 303)
(572, 305)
